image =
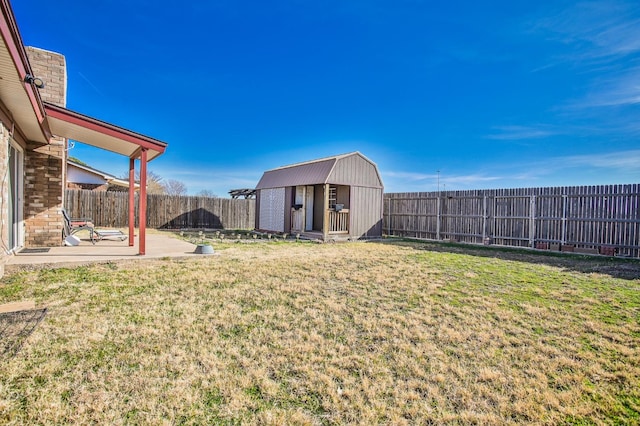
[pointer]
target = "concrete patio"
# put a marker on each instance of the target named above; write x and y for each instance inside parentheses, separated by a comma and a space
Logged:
(159, 245)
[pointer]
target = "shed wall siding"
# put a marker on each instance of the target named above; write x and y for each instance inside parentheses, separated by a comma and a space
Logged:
(288, 197)
(318, 207)
(366, 216)
(355, 170)
(272, 203)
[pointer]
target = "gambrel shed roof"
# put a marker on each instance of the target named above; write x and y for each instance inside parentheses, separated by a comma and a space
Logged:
(352, 169)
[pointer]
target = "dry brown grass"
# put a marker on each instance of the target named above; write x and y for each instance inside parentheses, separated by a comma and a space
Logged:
(296, 333)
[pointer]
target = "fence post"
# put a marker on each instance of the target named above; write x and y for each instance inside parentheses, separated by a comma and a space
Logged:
(494, 226)
(388, 200)
(438, 218)
(484, 219)
(532, 221)
(563, 237)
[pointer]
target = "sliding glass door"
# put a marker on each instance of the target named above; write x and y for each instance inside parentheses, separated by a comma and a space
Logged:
(15, 200)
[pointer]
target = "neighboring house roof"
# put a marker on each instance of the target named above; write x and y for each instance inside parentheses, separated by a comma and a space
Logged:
(345, 169)
(79, 173)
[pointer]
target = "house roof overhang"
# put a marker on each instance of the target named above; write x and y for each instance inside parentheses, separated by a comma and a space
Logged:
(21, 99)
(108, 178)
(91, 131)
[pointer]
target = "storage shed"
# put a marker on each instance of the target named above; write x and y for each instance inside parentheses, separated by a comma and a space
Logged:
(332, 199)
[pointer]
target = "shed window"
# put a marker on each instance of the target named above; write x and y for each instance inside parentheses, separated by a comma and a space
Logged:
(333, 196)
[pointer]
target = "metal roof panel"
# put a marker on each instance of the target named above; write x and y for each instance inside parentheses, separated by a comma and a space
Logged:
(347, 169)
(309, 173)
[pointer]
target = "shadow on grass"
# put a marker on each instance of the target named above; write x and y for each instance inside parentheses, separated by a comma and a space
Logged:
(616, 267)
(15, 328)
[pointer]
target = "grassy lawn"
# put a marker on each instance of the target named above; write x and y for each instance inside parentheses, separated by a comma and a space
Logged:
(302, 333)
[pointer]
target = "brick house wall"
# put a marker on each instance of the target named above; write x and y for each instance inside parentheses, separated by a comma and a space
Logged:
(45, 166)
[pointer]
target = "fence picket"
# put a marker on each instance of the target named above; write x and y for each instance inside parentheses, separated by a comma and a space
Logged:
(111, 209)
(587, 217)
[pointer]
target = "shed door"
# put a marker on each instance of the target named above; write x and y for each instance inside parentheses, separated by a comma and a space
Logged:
(272, 209)
(297, 214)
(309, 209)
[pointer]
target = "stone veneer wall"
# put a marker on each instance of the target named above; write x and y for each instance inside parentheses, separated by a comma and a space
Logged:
(45, 166)
(43, 188)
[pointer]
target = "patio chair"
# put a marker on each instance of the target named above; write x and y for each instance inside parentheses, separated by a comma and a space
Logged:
(76, 224)
(109, 234)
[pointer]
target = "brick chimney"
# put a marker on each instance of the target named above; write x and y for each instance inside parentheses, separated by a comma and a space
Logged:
(45, 166)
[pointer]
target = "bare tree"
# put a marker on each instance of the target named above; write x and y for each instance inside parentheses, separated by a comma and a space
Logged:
(207, 193)
(174, 187)
(154, 182)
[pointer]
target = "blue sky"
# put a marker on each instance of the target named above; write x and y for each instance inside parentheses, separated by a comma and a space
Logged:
(491, 94)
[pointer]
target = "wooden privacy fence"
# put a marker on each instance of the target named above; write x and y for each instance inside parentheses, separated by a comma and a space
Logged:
(591, 219)
(111, 209)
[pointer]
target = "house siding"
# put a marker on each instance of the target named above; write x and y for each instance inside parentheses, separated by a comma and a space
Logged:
(77, 176)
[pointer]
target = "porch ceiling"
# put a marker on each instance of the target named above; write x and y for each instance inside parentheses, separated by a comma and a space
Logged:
(72, 125)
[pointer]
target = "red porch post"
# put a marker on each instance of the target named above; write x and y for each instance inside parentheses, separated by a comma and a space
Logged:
(132, 199)
(143, 201)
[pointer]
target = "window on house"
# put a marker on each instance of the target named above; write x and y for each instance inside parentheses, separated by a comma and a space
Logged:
(333, 197)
